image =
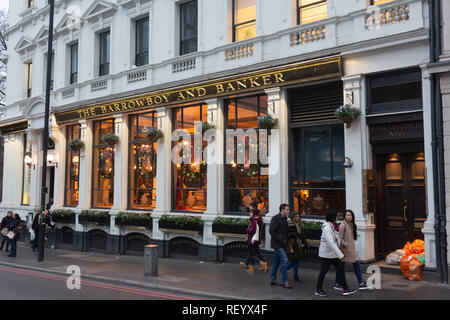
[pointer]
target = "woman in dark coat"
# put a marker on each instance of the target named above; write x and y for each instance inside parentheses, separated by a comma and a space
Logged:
(254, 253)
(14, 226)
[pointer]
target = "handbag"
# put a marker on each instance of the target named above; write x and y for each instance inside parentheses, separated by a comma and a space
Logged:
(32, 235)
(11, 235)
(4, 231)
(255, 237)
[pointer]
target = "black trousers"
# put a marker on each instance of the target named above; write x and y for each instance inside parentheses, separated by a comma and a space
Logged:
(5, 239)
(325, 266)
(254, 255)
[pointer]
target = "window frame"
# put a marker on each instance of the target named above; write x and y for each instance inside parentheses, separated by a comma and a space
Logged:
(132, 142)
(25, 152)
(182, 40)
(300, 7)
(69, 157)
(29, 90)
(174, 188)
(227, 166)
(233, 22)
(103, 65)
(94, 146)
(138, 54)
(73, 76)
(332, 187)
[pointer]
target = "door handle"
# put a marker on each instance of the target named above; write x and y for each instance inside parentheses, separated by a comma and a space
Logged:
(405, 207)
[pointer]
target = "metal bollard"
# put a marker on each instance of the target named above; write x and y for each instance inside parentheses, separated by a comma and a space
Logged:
(151, 260)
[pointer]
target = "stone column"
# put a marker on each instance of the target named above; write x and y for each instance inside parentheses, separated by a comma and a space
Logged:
(278, 156)
(34, 138)
(215, 179)
(163, 174)
(120, 180)
(356, 144)
(428, 229)
(56, 134)
(85, 182)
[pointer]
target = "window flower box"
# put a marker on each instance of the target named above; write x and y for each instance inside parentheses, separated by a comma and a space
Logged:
(94, 217)
(134, 220)
(63, 216)
(181, 224)
(155, 134)
(313, 231)
(230, 227)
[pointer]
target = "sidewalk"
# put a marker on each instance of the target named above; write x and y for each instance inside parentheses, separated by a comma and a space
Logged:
(215, 280)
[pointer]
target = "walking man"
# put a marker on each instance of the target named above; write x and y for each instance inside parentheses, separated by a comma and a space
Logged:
(279, 239)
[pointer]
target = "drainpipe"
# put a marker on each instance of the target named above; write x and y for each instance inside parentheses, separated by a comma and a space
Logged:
(438, 143)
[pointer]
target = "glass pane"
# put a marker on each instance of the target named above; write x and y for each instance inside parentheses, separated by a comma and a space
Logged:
(240, 199)
(188, 36)
(190, 116)
(338, 156)
(104, 47)
(26, 174)
(232, 115)
(313, 13)
(297, 156)
(245, 31)
(145, 122)
(245, 10)
(74, 58)
(133, 127)
(317, 150)
(394, 171)
(247, 113)
(103, 173)
(376, 2)
(263, 104)
(316, 202)
(393, 93)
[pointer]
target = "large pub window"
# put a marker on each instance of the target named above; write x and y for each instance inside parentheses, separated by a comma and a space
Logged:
(188, 25)
(311, 10)
(189, 180)
(318, 176)
(103, 166)
(376, 2)
(72, 167)
(245, 182)
(244, 19)
(142, 166)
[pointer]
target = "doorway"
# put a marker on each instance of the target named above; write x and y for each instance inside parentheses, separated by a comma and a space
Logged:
(401, 200)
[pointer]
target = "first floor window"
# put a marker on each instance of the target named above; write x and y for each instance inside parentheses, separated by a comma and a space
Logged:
(376, 2)
(72, 168)
(317, 171)
(189, 179)
(142, 166)
(29, 73)
(74, 63)
(245, 181)
(188, 25)
(311, 10)
(142, 41)
(103, 168)
(244, 19)
(104, 53)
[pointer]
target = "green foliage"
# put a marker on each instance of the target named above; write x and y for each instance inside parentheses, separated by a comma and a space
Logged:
(126, 216)
(347, 114)
(76, 144)
(182, 220)
(154, 134)
(312, 225)
(110, 138)
(92, 213)
(267, 122)
(231, 221)
(62, 213)
(206, 126)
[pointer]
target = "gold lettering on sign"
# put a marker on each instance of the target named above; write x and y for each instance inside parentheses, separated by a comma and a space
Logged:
(104, 109)
(279, 77)
(230, 87)
(181, 96)
(267, 80)
(253, 82)
(220, 88)
(241, 84)
(201, 92)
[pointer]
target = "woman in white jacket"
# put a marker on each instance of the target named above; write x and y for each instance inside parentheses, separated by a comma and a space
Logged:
(329, 253)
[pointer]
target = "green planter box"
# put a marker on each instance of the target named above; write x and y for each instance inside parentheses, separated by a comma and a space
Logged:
(93, 217)
(134, 220)
(63, 216)
(187, 224)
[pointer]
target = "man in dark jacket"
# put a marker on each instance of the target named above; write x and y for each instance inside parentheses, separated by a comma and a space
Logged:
(5, 222)
(296, 239)
(279, 239)
(35, 227)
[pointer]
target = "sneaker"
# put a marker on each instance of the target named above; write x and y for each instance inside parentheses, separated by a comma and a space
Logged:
(363, 286)
(287, 286)
(338, 287)
(320, 293)
(274, 283)
(348, 292)
(243, 264)
(297, 279)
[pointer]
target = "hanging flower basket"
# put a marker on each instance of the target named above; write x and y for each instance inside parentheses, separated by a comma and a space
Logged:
(207, 126)
(267, 122)
(347, 114)
(76, 145)
(110, 138)
(155, 134)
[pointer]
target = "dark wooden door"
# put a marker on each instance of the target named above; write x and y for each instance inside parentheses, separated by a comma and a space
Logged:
(401, 200)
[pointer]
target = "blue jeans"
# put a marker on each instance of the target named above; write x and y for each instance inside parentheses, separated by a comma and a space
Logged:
(13, 247)
(280, 259)
(294, 265)
(358, 273)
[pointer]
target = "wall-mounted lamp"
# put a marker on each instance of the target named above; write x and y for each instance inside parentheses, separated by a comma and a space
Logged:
(51, 160)
(29, 160)
(348, 163)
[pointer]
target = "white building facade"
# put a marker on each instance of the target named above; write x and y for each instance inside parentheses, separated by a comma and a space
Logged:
(124, 67)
